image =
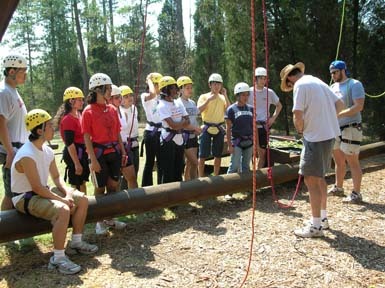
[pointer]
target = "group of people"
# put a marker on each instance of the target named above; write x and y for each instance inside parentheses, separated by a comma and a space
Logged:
(101, 141)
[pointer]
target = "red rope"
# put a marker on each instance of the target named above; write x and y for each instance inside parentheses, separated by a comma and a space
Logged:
(140, 65)
(255, 135)
(269, 171)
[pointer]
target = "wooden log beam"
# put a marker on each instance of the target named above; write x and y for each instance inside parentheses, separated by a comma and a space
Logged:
(14, 225)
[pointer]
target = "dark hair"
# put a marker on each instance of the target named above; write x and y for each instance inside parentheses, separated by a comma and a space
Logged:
(294, 72)
(91, 98)
(34, 136)
(63, 110)
(166, 91)
(6, 71)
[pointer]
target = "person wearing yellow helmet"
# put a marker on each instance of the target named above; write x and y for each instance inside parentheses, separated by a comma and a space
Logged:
(185, 85)
(68, 119)
(174, 119)
(212, 106)
(101, 129)
(131, 125)
(150, 100)
(32, 164)
(128, 171)
(12, 112)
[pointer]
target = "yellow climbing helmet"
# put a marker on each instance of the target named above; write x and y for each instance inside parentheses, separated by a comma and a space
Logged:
(36, 117)
(166, 81)
(183, 80)
(125, 90)
(71, 93)
(155, 77)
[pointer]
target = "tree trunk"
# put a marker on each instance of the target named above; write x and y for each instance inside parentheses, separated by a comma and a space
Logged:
(356, 9)
(81, 47)
(112, 32)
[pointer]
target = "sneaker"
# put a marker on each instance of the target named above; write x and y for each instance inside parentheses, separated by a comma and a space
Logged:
(81, 248)
(309, 231)
(336, 191)
(354, 198)
(101, 228)
(64, 266)
(115, 224)
(324, 223)
(229, 197)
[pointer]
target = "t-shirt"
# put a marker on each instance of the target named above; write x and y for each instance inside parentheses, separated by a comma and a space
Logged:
(348, 91)
(150, 107)
(241, 118)
(101, 122)
(127, 117)
(191, 109)
(42, 158)
(12, 108)
(175, 111)
(261, 99)
(71, 123)
(214, 112)
(317, 102)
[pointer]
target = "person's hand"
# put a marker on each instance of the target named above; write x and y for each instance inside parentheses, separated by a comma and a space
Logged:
(124, 160)
(271, 121)
(223, 91)
(95, 166)
(230, 148)
(211, 97)
(197, 130)
(78, 169)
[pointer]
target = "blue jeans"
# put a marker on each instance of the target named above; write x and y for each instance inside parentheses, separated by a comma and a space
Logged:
(240, 160)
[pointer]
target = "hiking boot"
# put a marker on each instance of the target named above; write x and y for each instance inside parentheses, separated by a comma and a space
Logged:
(64, 265)
(336, 191)
(101, 228)
(354, 198)
(115, 224)
(309, 231)
(81, 248)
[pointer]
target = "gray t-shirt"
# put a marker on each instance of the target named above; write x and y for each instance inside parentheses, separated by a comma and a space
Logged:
(261, 100)
(191, 109)
(348, 91)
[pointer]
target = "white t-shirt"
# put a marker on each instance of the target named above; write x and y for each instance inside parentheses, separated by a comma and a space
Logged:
(42, 158)
(125, 117)
(13, 109)
(175, 111)
(150, 108)
(261, 99)
(317, 101)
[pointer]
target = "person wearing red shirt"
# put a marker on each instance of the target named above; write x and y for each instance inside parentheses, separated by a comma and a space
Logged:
(101, 129)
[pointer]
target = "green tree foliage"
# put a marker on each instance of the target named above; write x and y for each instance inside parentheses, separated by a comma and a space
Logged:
(172, 44)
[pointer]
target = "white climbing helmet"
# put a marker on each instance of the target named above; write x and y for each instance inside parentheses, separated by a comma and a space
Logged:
(14, 61)
(260, 71)
(241, 87)
(215, 77)
(99, 79)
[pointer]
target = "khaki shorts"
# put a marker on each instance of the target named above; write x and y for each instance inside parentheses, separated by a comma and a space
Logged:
(47, 208)
(349, 133)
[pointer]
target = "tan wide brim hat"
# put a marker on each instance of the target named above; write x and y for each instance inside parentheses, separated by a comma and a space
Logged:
(286, 71)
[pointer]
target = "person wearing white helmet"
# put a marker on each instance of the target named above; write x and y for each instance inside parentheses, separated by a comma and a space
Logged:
(32, 165)
(151, 136)
(101, 129)
(212, 106)
(174, 119)
(68, 118)
(239, 131)
(13, 133)
(264, 97)
(129, 174)
(185, 85)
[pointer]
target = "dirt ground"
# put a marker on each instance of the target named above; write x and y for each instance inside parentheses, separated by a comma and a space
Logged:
(207, 244)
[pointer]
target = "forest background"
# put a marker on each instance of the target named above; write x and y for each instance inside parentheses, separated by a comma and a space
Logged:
(66, 41)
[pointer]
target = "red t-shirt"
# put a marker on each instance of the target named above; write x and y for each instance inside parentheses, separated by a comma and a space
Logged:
(101, 122)
(69, 122)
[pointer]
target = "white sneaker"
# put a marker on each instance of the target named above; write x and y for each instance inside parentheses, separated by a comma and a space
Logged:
(115, 224)
(64, 265)
(354, 198)
(229, 197)
(309, 231)
(336, 191)
(81, 248)
(324, 223)
(101, 228)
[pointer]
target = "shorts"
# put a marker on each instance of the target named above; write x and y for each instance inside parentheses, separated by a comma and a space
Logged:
(315, 158)
(192, 143)
(349, 133)
(110, 168)
(47, 208)
(262, 138)
(211, 145)
(6, 176)
(73, 179)
(130, 160)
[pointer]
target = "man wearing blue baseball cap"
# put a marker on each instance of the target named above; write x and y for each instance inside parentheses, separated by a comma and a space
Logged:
(347, 146)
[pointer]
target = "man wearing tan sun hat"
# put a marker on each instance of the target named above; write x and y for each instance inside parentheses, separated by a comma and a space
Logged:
(315, 109)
